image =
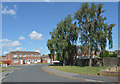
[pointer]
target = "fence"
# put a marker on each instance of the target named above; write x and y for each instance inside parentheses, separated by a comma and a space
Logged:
(3, 65)
(85, 62)
(107, 61)
(111, 61)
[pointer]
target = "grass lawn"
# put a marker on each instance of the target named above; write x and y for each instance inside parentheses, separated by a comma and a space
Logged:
(80, 70)
(5, 69)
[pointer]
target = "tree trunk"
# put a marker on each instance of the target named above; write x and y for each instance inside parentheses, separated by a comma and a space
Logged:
(90, 61)
(63, 57)
(53, 57)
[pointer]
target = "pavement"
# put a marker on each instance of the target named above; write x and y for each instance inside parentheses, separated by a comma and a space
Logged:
(34, 73)
(88, 78)
(5, 73)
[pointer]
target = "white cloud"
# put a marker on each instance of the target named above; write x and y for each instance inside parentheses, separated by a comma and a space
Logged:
(37, 51)
(19, 48)
(7, 11)
(22, 38)
(5, 40)
(15, 6)
(5, 53)
(11, 44)
(36, 36)
(47, 0)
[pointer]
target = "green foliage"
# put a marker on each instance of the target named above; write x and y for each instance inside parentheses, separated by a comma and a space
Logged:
(91, 28)
(62, 39)
(114, 55)
(94, 32)
(1, 62)
(104, 54)
(41, 59)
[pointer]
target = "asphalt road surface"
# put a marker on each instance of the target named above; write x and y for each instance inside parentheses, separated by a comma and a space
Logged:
(33, 73)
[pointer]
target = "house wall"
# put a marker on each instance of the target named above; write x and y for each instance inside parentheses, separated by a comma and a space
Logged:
(21, 59)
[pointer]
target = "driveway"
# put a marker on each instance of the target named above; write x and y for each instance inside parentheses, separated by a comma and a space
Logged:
(33, 73)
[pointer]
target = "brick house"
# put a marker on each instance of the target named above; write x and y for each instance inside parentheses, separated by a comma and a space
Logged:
(80, 53)
(46, 58)
(21, 57)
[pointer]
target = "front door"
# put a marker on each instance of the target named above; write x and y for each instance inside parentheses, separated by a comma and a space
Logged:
(24, 62)
(21, 61)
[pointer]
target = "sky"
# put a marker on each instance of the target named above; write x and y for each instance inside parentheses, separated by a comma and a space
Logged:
(26, 25)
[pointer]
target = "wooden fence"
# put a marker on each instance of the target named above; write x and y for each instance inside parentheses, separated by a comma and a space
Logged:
(111, 61)
(107, 61)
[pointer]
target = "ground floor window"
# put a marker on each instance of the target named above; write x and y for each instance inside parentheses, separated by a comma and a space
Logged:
(15, 61)
(32, 60)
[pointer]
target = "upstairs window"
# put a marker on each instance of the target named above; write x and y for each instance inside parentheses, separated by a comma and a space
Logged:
(35, 55)
(79, 50)
(28, 55)
(15, 56)
(24, 55)
(20, 55)
(38, 55)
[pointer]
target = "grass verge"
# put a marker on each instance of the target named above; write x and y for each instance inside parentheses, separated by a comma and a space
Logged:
(80, 70)
(5, 68)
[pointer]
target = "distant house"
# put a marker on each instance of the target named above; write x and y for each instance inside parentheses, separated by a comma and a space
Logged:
(21, 57)
(83, 55)
(47, 59)
(118, 53)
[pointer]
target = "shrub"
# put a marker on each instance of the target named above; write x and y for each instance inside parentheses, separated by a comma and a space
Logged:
(104, 54)
(1, 62)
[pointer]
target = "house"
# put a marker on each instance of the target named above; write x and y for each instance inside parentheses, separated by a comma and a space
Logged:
(21, 57)
(118, 53)
(83, 55)
(46, 58)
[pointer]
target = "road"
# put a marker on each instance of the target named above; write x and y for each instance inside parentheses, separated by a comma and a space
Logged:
(33, 73)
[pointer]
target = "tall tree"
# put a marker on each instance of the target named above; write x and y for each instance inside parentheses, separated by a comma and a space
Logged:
(94, 32)
(63, 38)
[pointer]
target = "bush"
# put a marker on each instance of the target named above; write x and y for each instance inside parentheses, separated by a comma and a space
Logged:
(41, 59)
(104, 54)
(1, 62)
(114, 55)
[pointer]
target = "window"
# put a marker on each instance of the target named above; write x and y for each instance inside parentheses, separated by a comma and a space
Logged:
(24, 55)
(31, 55)
(28, 55)
(15, 61)
(35, 55)
(32, 60)
(15, 55)
(20, 55)
(28, 60)
(38, 60)
(79, 50)
(38, 55)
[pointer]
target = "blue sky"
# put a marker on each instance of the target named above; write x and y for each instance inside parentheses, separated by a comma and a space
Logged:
(26, 26)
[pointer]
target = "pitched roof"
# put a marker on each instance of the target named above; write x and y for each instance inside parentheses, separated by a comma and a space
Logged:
(32, 52)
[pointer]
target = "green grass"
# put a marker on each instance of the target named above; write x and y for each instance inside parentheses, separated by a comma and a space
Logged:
(80, 70)
(5, 69)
